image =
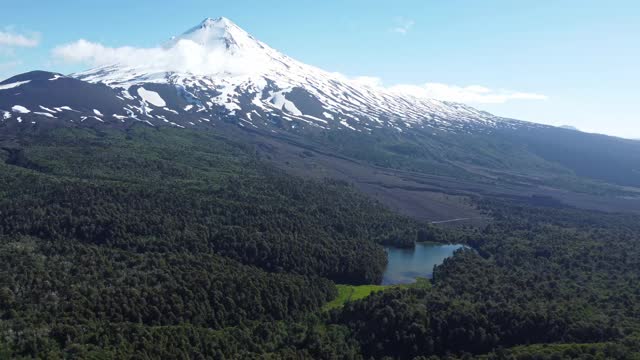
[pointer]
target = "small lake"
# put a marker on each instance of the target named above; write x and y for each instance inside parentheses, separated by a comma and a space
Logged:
(405, 265)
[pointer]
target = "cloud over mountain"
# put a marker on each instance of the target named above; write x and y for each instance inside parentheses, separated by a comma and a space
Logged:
(183, 56)
(13, 39)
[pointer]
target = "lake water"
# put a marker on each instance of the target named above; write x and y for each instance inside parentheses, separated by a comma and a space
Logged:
(405, 265)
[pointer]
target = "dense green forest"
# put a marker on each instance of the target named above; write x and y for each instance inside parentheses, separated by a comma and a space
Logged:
(534, 276)
(159, 243)
(166, 228)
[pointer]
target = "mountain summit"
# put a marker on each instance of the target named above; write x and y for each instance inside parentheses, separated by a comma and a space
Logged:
(214, 32)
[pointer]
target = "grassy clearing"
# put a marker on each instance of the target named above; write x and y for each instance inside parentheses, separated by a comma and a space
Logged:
(348, 293)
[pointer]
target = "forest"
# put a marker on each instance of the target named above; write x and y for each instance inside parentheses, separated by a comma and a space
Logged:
(156, 243)
(533, 276)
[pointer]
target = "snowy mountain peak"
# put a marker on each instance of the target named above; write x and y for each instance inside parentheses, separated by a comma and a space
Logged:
(207, 22)
(213, 33)
(219, 22)
(216, 69)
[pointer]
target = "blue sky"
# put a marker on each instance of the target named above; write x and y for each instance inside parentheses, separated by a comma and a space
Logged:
(581, 59)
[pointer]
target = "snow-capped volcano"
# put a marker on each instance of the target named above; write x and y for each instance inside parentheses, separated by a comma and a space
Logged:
(218, 69)
(220, 31)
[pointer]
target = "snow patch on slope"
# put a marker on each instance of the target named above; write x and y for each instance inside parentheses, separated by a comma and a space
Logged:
(13, 85)
(20, 109)
(47, 109)
(44, 114)
(151, 97)
(280, 102)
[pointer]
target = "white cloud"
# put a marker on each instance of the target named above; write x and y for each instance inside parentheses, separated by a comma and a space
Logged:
(184, 56)
(465, 94)
(84, 51)
(473, 94)
(188, 56)
(12, 39)
(370, 81)
(402, 25)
